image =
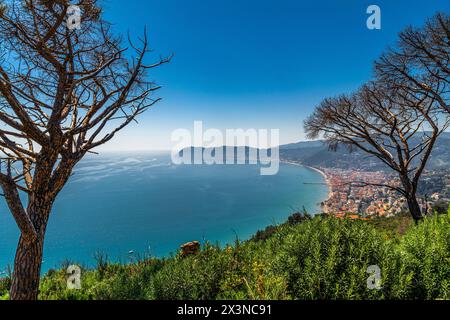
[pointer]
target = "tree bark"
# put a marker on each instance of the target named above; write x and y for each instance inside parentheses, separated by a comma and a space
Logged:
(27, 270)
(414, 208)
(411, 198)
(28, 259)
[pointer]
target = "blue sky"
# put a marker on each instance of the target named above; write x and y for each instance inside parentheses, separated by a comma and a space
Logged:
(254, 63)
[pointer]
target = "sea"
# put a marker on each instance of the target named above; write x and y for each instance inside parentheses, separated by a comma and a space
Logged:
(134, 204)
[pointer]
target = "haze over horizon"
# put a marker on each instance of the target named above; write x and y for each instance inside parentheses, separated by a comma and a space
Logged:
(250, 65)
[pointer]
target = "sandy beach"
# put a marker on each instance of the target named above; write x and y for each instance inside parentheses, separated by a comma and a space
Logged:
(327, 181)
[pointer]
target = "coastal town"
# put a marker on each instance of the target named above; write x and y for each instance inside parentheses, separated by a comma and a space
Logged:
(361, 194)
(365, 194)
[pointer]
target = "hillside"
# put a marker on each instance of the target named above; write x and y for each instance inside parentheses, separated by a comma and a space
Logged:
(317, 153)
(305, 258)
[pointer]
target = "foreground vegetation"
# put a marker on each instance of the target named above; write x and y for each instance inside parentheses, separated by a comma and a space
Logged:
(305, 258)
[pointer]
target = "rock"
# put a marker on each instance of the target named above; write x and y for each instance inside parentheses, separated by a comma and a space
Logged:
(190, 248)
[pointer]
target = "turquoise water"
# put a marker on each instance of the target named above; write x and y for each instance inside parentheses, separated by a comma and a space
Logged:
(115, 203)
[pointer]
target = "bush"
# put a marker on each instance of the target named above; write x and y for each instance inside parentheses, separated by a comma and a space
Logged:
(197, 277)
(328, 258)
(318, 258)
(5, 285)
(425, 251)
(251, 275)
(110, 281)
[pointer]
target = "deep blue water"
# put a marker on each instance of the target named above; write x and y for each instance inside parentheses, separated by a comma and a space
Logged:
(115, 203)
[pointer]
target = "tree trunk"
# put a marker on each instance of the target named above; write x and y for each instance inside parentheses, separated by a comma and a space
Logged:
(414, 208)
(411, 198)
(27, 270)
(28, 260)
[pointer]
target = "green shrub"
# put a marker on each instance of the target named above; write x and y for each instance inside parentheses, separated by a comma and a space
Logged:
(318, 258)
(195, 277)
(425, 251)
(251, 276)
(328, 258)
(108, 282)
(5, 285)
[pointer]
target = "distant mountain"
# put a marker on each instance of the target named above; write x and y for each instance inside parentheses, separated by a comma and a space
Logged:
(317, 153)
(302, 145)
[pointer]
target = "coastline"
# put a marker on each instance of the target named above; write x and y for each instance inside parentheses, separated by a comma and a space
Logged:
(324, 175)
(138, 237)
